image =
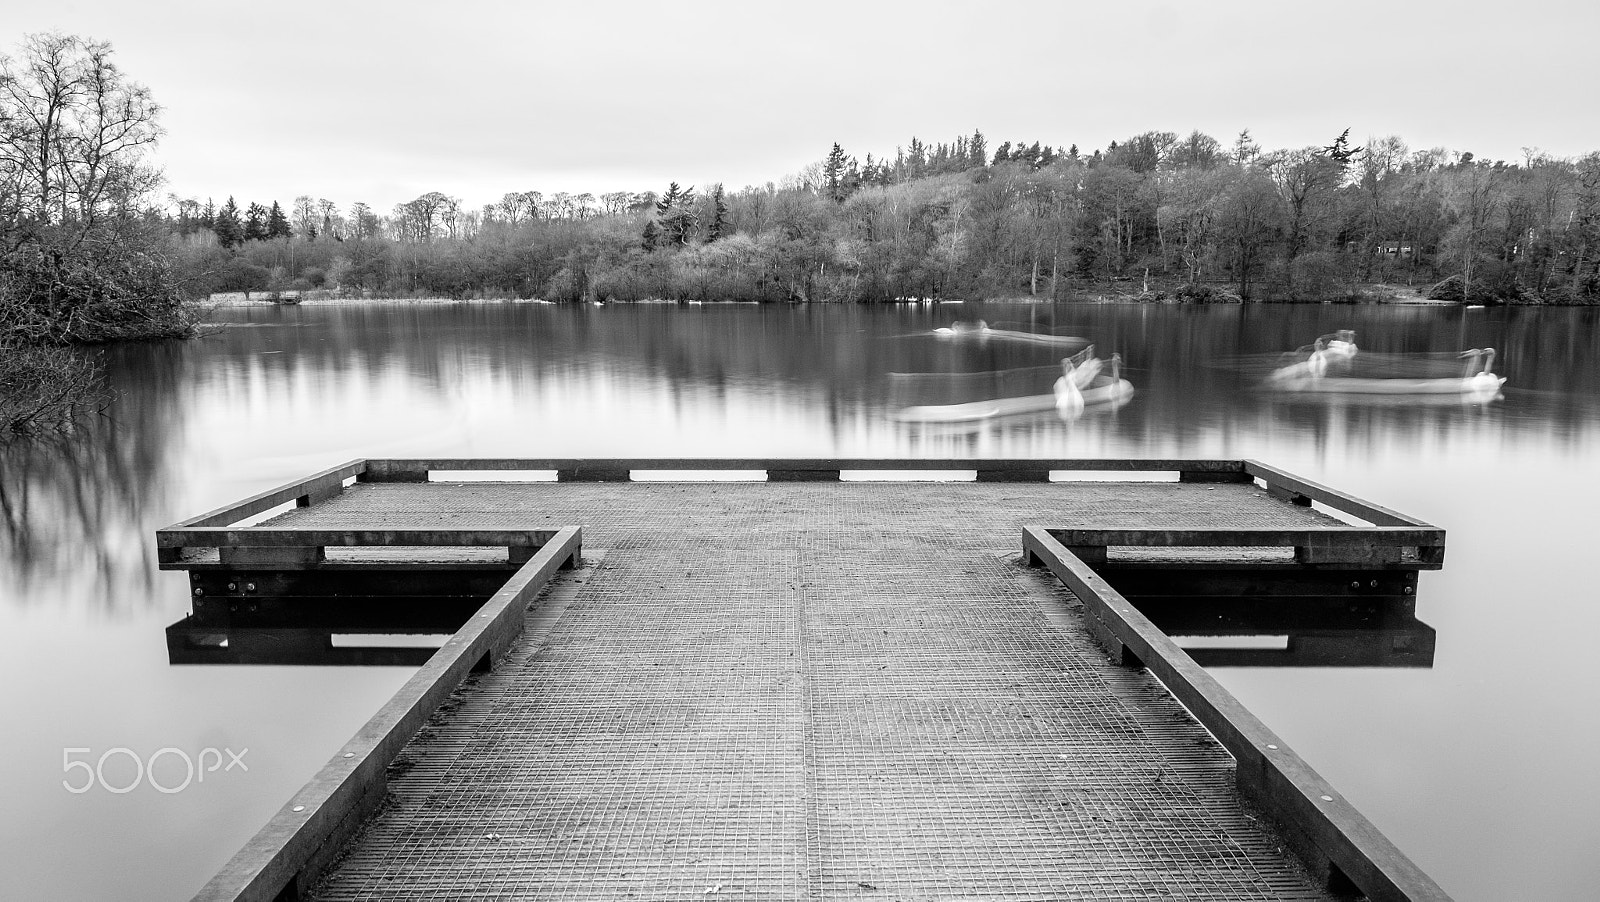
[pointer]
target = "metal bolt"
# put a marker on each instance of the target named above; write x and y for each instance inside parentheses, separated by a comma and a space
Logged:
(349, 754)
(233, 587)
(199, 591)
(1355, 584)
(1327, 798)
(302, 807)
(1408, 590)
(1373, 584)
(251, 587)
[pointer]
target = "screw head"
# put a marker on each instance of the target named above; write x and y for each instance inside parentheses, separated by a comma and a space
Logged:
(199, 591)
(1355, 584)
(251, 587)
(1408, 590)
(233, 587)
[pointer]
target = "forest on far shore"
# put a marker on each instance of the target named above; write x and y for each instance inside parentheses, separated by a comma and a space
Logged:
(1156, 215)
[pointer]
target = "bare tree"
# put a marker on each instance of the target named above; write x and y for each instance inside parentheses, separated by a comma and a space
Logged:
(73, 135)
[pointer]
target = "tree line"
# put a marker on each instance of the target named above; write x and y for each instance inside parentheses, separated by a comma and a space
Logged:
(1156, 213)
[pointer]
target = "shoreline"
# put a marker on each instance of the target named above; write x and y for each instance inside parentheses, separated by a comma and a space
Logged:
(236, 300)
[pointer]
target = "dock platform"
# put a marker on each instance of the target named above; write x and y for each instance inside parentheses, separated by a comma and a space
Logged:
(804, 686)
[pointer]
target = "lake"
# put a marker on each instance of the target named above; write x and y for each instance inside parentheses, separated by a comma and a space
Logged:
(1481, 767)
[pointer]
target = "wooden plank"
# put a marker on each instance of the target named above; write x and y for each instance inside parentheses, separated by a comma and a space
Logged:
(266, 536)
(1328, 832)
(381, 470)
(395, 471)
(1341, 501)
(328, 810)
(323, 483)
(1195, 475)
(818, 475)
(1159, 537)
(1013, 474)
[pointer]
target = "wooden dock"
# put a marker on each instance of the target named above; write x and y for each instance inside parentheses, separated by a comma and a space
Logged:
(805, 687)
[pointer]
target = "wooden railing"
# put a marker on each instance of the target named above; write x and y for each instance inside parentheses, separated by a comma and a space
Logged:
(1341, 845)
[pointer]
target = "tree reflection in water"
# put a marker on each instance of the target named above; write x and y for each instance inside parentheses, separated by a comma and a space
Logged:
(77, 507)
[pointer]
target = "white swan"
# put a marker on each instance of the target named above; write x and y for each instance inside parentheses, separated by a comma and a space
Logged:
(1484, 381)
(1069, 397)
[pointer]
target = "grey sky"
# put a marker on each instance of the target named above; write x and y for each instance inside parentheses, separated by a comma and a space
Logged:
(380, 102)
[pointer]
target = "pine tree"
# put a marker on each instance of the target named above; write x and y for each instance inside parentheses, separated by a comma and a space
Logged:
(1002, 153)
(833, 169)
(277, 223)
(255, 222)
(229, 232)
(719, 214)
(977, 149)
(1340, 150)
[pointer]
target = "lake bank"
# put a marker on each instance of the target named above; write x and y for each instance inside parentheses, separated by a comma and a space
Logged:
(1373, 294)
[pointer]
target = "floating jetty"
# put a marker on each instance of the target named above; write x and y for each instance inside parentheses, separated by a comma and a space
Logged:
(811, 682)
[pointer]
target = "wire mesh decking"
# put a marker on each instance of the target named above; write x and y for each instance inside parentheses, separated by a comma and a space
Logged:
(803, 691)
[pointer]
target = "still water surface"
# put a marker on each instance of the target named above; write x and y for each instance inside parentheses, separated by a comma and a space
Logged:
(1480, 767)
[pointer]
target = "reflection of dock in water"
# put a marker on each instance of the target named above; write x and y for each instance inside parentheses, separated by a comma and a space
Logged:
(799, 687)
(1294, 631)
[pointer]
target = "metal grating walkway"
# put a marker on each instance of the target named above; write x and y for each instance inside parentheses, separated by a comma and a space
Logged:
(804, 691)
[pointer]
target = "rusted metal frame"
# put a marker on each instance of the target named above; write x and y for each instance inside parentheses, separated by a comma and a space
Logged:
(804, 469)
(263, 546)
(287, 855)
(304, 492)
(1327, 832)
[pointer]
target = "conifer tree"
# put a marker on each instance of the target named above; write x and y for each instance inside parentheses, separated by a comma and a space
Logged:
(277, 223)
(833, 170)
(255, 222)
(977, 149)
(719, 214)
(229, 231)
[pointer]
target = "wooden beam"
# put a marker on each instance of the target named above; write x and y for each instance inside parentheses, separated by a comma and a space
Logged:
(325, 484)
(406, 469)
(1289, 484)
(268, 536)
(306, 834)
(1332, 837)
(1332, 537)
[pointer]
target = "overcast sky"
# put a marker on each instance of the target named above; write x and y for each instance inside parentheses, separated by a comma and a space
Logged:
(380, 102)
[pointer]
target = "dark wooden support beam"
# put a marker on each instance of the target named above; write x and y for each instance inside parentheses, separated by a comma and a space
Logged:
(270, 556)
(1214, 476)
(821, 475)
(594, 473)
(395, 471)
(1013, 475)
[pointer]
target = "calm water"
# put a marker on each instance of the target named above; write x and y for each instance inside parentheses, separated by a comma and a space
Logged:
(1481, 768)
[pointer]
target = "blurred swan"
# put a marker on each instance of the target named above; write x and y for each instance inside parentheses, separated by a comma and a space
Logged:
(960, 328)
(1069, 396)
